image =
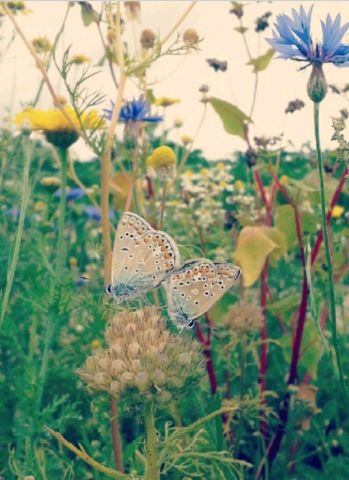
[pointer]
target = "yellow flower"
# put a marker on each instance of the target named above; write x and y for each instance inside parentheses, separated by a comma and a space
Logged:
(220, 166)
(284, 180)
(39, 205)
(178, 122)
(337, 211)
(223, 184)
(239, 185)
(95, 344)
(162, 156)
(188, 173)
(186, 139)
(205, 172)
(53, 120)
(162, 162)
(41, 44)
(79, 59)
(166, 101)
(50, 181)
(73, 261)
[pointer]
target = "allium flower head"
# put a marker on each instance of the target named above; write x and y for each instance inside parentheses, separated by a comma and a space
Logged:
(244, 317)
(134, 111)
(142, 359)
(292, 39)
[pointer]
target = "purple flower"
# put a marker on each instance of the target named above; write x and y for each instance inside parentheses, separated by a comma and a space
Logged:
(134, 111)
(95, 213)
(72, 194)
(292, 39)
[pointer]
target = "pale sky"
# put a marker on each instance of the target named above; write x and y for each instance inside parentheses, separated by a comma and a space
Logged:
(182, 76)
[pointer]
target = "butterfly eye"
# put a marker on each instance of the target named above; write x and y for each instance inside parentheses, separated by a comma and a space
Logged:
(191, 323)
(109, 289)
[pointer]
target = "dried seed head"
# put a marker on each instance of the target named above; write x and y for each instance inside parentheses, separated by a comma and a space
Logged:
(244, 317)
(147, 39)
(142, 356)
(133, 11)
(190, 37)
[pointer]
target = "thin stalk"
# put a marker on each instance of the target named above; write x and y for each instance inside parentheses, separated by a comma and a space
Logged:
(59, 268)
(60, 259)
(152, 469)
(28, 150)
(330, 282)
(163, 204)
(105, 187)
(116, 436)
(81, 453)
(54, 46)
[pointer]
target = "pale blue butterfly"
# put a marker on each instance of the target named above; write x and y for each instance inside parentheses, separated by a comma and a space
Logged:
(142, 258)
(194, 288)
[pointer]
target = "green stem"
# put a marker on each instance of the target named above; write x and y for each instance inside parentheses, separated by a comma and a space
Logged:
(28, 150)
(152, 469)
(60, 260)
(330, 283)
(59, 267)
(163, 204)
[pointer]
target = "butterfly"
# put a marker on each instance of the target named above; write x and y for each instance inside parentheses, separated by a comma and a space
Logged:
(194, 288)
(142, 258)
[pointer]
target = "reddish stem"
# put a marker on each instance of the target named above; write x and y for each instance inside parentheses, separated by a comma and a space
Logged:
(334, 200)
(302, 310)
(206, 343)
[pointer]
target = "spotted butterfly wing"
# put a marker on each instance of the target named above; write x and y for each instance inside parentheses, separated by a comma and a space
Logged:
(142, 258)
(194, 288)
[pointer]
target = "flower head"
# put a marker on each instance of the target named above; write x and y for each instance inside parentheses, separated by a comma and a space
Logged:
(134, 111)
(148, 38)
(337, 211)
(94, 213)
(166, 101)
(292, 39)
(72, 194)
(244, 317)
(142, 358)
(162, 162)
(79, 59)
(53, 120)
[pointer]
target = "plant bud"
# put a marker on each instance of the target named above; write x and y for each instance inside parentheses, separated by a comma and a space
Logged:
(147, 39)
(190, 37)
(126, 378)
(317, 84)
(134, 349)
(142, 380)
(159, 377)
(117, 366)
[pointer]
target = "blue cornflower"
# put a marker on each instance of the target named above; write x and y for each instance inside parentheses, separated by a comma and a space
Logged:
(72, 194)
(134, 111)
(95, 214)
(292, 39)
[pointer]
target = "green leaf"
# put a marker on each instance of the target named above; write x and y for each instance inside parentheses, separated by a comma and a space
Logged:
(285, 304)
(88, 14)
(262, 62)
(253, 248)
(233, 119)
(280, 240)
(285, 221)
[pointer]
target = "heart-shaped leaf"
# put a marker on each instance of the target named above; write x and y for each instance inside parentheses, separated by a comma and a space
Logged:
(233, 119)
